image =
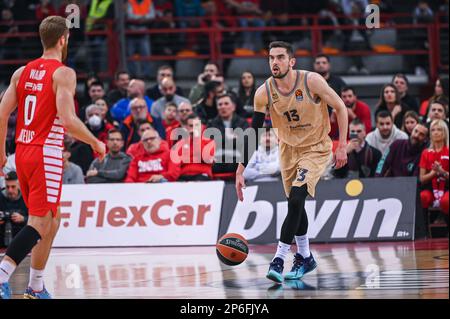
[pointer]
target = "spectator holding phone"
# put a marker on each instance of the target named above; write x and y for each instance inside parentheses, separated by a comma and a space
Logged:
(362, 158)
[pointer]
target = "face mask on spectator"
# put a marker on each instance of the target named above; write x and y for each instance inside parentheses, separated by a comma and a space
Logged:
(95, 122)
(169, 97)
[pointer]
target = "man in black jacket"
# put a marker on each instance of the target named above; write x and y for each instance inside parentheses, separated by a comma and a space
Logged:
(362, 158)
(226, 121)
(114, 166)
(13, 211)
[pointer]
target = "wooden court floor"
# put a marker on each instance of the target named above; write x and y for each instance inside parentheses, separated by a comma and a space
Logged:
(362, 270)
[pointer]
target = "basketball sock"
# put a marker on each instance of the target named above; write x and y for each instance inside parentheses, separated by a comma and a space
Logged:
(6, 270)
(303, 245)
(36, 279)
(282, 250)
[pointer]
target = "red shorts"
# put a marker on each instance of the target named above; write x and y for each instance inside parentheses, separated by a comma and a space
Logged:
(40, 169)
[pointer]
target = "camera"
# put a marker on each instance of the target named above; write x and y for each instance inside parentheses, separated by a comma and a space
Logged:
(206, 78)
(5, 216)
(353, 135)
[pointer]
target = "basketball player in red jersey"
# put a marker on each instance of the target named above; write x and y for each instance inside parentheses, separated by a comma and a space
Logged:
(43, 92)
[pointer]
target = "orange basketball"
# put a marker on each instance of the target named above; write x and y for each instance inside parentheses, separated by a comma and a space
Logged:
(232, 249)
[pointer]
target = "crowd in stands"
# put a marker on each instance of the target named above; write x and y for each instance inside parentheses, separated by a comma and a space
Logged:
(141, 15)
(144, 126)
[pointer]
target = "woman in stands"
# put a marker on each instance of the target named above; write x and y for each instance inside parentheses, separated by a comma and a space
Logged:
(390, 101)
(440, 91)
(246, 92)
(410, 120)
(434, 170)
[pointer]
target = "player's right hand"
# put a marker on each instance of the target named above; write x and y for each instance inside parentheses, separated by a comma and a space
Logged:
(99, 148)
(240, 184)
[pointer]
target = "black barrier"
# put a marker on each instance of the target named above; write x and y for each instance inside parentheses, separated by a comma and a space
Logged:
(344, 210)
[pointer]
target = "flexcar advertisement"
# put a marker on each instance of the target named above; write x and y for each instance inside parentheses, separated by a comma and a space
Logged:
(140, 214)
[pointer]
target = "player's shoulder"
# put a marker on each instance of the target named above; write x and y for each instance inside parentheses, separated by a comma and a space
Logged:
(65, 74)
(261, 95)
(313, 77)
(65, 71)
(17, 74)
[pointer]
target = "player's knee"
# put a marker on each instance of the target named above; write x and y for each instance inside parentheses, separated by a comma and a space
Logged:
(298, 195)
(42, 225)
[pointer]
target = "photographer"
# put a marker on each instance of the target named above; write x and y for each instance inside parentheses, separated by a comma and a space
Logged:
(362, 158)
(13, 211)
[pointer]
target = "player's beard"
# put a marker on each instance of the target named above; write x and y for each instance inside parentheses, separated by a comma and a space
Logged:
(64, 53)
(281, 75)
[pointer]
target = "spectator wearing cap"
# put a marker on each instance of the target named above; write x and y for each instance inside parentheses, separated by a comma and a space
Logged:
(114, 166)
(194, 152)
(403, 156)
(386, 132)
(154, 165)
(12, 207)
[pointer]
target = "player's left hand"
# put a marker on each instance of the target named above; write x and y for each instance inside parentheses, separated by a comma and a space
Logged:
(340, 157)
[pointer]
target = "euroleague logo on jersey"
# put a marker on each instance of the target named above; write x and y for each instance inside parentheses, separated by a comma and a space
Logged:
(299, 95)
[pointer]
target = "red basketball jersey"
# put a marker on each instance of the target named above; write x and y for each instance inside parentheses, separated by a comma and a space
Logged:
(37, 120)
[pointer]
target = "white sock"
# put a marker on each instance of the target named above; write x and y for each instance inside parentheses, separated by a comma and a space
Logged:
(303, 245)
(36, 279)
(6, 270)
(282, 250)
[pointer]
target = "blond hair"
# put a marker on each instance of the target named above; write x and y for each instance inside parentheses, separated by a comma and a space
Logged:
(443, 125)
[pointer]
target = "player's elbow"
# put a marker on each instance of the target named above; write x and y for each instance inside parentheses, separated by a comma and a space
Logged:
(69, 122)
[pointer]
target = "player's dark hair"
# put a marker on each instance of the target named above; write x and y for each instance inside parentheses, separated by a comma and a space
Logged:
(322, 55)
(282, 44)
(51, 29)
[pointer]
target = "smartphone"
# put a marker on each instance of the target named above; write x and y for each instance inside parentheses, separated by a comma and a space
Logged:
(353, 135)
